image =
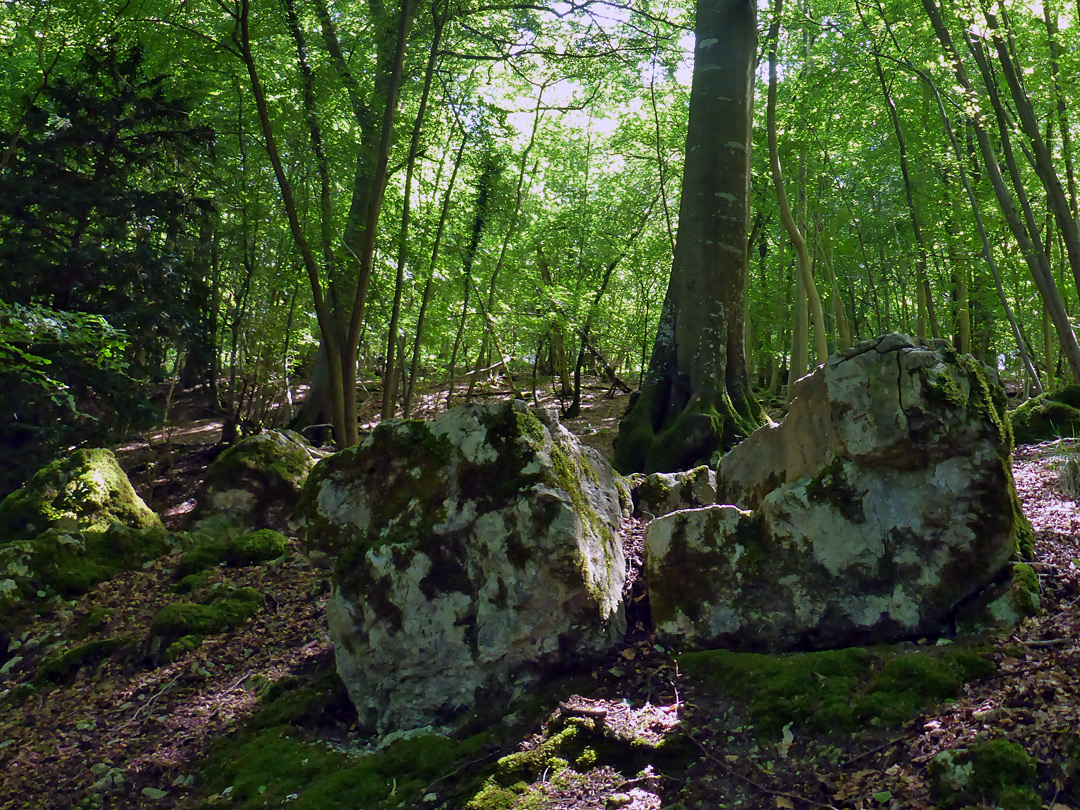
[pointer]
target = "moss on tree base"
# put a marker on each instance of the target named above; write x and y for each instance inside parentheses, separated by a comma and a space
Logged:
(697, 434)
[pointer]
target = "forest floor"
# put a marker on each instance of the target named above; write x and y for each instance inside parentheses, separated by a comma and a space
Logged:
(115, 731)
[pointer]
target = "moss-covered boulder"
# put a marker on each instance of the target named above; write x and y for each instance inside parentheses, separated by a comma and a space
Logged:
(662, 493)
(882, 502)
(84, 491)
(1050, 415)
(471, 555)
(256, 483)
(69, 562)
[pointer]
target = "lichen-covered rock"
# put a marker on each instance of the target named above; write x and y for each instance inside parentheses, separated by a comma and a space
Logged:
(86, 491)
(662, 493)
(1003, 605)
(256, 483)
(472, 555)
(881, 502)
(1050, 415)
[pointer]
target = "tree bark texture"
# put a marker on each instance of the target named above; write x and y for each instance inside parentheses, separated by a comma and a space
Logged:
(696, 398)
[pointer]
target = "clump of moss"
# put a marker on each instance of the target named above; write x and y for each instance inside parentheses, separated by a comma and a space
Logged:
(227, 609)
(62, 667)
(192, 582)
(275, 766)
(997, 772)
(837, 690)
(1050, 415)
(235, 552)
(182, 646)
(541, 756)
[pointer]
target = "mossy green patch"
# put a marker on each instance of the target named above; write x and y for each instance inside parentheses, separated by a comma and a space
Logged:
(275, 454)
(276, 766)
(837, 690)
(995, 772)
(249, 548)
(1050, 415)
(539, 757)
(226, 610)
(70, 562)
(182, 646)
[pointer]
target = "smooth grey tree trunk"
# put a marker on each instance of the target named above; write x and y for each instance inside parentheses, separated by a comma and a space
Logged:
(696, 399)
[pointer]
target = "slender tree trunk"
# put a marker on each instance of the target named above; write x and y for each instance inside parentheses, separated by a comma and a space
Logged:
(821, 342)
(479, 223)
(410, 389)
(327, 326)
(1050, 18)
(390, 379)
(1029, 123)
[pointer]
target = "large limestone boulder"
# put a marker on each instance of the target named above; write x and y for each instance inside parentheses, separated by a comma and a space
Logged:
(472, 555)
(86, 490)
(882, 502)
(256, 483)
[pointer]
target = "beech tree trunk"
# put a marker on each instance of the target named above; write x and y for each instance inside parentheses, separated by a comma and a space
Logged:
(696, 399)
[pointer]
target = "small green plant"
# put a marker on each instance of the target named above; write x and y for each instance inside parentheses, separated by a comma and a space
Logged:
(995, 772)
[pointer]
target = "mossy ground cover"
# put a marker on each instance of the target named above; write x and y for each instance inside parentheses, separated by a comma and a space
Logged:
(180, 627)
(68, 563)
(837, 691)
(989, 772)
(234, 551)
(293, 752)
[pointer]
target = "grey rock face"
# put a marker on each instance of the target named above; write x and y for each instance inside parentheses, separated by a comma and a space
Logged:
(883, 500)
(256, 483)
(472, 555)
(659, 494)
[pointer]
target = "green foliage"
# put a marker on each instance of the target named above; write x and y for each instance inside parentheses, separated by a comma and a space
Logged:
(55, 367)
(837, 690)
(97, 199)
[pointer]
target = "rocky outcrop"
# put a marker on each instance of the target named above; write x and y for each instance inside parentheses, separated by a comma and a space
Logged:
(659, 494)
(77, 522)
(472, 555)
(1050, 415)
(256, 483)
(84, 491)
(881, 502)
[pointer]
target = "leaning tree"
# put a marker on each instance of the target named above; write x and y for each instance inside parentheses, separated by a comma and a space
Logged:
(696, 396)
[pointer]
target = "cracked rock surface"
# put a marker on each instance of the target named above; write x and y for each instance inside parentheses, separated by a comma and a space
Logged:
(472, 555)
(883, 501)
